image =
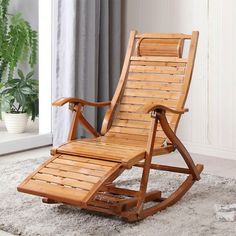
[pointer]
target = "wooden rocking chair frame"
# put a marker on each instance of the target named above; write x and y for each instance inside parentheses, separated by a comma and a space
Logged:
(125, 203)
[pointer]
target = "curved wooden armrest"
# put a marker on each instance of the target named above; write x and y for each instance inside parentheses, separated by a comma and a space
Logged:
(62, 101)
(151, 107)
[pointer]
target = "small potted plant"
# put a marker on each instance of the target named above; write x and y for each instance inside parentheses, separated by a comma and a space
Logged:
(19, 98)
(18, 44)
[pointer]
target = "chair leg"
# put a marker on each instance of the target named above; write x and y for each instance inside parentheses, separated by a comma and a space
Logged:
(193, 171)
(132, 216)
(147, 163)
(49, 201)
(178, 144)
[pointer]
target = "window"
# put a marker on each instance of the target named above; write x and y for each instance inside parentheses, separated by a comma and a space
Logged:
(41, 135)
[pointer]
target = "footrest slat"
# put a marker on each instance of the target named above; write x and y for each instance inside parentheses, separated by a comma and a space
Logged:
(69, 179)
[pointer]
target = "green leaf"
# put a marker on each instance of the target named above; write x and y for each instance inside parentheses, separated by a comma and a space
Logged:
(30, 74)
(21, 74)
(13, 82)
(6, 91)
(18, 42)
(33, 82)
(20, 98)
(26, 90)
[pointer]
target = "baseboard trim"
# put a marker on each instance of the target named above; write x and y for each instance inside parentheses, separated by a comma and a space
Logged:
(210, 150)
(26, 143)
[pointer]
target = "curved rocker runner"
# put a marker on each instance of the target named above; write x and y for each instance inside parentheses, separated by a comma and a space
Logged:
(140, 123)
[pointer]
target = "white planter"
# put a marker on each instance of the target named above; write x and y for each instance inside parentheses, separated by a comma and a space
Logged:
(3, 115)
(16, 123)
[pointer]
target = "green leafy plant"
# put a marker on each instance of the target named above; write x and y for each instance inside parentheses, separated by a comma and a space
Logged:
(3, 35)
(20, 95)
(18, 42)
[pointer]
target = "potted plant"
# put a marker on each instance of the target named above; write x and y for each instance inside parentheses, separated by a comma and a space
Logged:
(18, 43)
(19, 97)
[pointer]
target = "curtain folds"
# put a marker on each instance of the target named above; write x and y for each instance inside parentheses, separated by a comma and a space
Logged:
(86, 58)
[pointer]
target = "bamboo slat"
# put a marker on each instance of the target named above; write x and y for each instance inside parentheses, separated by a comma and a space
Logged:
(157, 69)
(67, 174)
(156, 77)
(74, 169)
(154, 86)
(63, 181)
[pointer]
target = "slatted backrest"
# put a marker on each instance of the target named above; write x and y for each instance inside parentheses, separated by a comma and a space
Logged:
(154, 72)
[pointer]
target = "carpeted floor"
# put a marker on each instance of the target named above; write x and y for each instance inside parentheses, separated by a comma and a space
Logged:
(22, 214)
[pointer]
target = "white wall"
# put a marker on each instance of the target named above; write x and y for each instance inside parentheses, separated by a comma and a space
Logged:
(210, 126)
(29, 9)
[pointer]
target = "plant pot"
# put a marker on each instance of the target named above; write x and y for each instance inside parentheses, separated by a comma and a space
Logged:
(16, 123)
(1, 112)
(3, 115)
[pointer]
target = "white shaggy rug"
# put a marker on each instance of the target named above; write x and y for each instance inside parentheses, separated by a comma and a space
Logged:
(23, 214)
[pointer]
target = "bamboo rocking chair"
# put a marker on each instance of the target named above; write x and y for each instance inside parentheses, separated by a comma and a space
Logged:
(140, 123)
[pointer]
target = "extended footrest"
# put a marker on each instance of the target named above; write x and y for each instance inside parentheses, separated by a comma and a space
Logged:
(70, 179)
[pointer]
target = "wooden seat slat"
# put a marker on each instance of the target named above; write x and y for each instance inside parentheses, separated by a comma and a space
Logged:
(104, 141)
(63, 181)
(127, 141)
(99, 148)
(159, 59)
(157, 69)
(152, 94)
(136, 116)
(80, 164)
(156, 77)
(73, 169)
(134, 131)
(71, 175)
(135, 124)
(86, 160)
(144, 100)
(157, 63)
(140, 140)
(136, 108)
(57, 192)
(154, 86)
(100, 153)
